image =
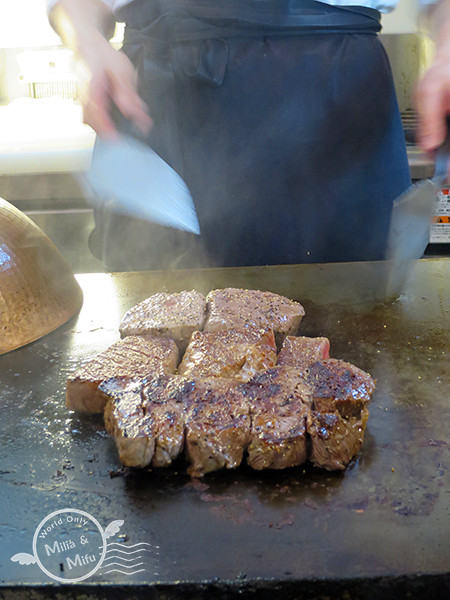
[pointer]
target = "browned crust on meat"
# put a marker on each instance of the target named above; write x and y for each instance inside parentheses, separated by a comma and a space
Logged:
(335, 440)
(228, 397)
(172, 315)
(281, 418)
(146, 418)
(217, 427)
(278, 437)
(279, 403)
(132, 357)
(165, 401)
(339, 386)
(235, 308)
(231, 353)
(301, 351)
(126, 422)
(336, 424)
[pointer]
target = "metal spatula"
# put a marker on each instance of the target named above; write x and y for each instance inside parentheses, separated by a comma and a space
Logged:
(409, 232)
(137, 182)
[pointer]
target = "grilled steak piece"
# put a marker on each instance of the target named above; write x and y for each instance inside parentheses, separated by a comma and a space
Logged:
(282, 416)
(217, 427)
(338, 386)
(279, 404)
(337, 421)
(233, 308)
(165, 401)
(175, 316)
(231, 393)
(300, 352)
(126, 422)
(232, 353)
(132, 357)
(150, 420)
(147, 418)
(335, 440)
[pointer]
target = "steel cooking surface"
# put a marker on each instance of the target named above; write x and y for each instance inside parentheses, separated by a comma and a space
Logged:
(383, 522)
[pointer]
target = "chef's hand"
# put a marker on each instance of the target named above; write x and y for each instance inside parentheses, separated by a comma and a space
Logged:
(433, 90)
(109, 79)
(107, 76)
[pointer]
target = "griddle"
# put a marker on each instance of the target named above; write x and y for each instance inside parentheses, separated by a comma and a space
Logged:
(379, 529)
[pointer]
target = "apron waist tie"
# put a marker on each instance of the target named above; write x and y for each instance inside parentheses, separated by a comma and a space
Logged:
(184, 20)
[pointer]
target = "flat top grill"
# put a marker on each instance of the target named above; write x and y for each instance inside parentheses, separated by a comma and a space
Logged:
(380, 525)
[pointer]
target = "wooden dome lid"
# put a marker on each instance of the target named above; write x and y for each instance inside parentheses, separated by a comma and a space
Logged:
(38, 291)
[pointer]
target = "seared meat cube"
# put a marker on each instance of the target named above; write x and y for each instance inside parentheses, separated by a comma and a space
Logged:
(300, 352)
(233, 308)
(165, 401)
(147, 418)
(232, 353)
(175, 316)
(335, 440)
(126, 422)
(132, 357)
(217, 427)
(279, 404)
(340, 393)
(338, 386)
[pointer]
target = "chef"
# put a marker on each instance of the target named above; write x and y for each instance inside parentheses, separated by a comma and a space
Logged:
(280, 115)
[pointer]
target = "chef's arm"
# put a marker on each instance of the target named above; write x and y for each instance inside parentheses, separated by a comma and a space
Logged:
(433, 90)
(107, 76)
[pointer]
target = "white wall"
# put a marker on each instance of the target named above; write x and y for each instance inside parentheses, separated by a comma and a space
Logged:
(23, 23)
(403, 19)
(410, 50)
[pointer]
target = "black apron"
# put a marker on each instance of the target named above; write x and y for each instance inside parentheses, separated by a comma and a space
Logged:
(281, 117)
